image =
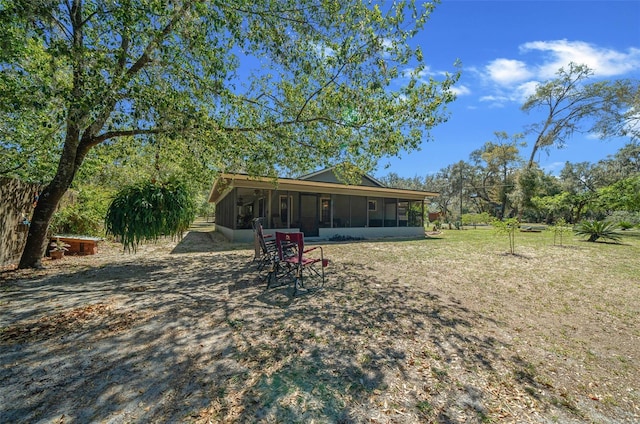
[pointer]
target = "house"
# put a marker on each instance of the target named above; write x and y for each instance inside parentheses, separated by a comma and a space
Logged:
(318, 205)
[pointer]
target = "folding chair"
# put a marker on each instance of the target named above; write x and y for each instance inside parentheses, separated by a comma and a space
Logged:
(294, 260)
(265, 247)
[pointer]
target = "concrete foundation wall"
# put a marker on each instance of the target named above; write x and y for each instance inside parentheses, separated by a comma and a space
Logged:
(372, 232)
(246, 236)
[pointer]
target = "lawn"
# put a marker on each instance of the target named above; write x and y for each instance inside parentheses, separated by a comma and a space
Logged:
(449, 329)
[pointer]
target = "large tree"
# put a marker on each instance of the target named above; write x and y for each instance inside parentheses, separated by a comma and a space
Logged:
(263, 84)
(570, 104)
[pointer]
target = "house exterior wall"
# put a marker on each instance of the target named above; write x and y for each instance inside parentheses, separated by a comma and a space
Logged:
(314, 206)
(226, 211)
(246, 236)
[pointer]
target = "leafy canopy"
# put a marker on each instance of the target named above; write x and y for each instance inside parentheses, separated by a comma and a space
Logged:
(250, 85)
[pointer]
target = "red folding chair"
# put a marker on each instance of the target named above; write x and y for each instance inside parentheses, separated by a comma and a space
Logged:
(304, 266)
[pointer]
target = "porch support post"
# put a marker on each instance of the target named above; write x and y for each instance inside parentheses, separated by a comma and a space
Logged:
(331, 202)
(269, 210)
(235, 209)
(366, 206)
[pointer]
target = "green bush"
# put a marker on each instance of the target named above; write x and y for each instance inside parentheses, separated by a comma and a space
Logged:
(149, 210)
(595, 230)
(624, 225)
(83, 212)
(559, 229)
(624, 217)
(508, 227)
(476, 218)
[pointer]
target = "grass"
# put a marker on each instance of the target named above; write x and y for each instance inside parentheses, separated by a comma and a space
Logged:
(445, 329)
(456, 328)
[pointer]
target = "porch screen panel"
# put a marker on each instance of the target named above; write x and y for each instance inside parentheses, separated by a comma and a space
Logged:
(325, 212)
(390, 213)
(403, 213)
(341, 213)
(358, 211)
(375, 206)
(225, 212)
(415, 214)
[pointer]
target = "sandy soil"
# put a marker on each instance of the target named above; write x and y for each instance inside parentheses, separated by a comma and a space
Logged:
(186, 332)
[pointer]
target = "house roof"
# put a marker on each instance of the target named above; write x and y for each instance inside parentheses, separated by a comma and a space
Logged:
(226, 182)
(328, 175)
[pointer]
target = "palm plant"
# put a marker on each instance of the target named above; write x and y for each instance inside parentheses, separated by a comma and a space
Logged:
(598, 229)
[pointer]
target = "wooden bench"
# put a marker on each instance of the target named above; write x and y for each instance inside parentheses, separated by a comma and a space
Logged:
(80, 245)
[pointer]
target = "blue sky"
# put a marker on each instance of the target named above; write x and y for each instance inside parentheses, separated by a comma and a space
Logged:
(506, 47)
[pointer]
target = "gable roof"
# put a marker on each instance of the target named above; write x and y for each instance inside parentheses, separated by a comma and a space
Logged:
(226, 182)
(328, 175)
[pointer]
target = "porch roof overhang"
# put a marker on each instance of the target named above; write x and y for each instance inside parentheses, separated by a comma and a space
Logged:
(226, 182)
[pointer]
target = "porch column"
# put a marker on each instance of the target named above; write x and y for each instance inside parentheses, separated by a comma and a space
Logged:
(332, 201)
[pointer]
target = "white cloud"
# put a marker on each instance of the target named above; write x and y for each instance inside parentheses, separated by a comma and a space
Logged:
(524, 90)
(421, 75)
(460, 90)
(496, 101)
(513, 80)
(508, 71)
(604, 62)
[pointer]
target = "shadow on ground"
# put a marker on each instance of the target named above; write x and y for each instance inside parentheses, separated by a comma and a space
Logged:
(195, 336)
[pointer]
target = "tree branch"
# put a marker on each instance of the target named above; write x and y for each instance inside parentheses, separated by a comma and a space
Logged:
(118, 83)
(315, 93)
(122, 133)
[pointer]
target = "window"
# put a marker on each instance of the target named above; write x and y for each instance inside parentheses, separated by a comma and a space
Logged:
(325, 210)
(286, 206)
(373, 205)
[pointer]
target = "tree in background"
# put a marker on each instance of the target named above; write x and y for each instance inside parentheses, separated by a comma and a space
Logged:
(501, 159)
(623, 195)
(449, 183)
(623, 164)
(250, 85)
(619, 113)
(571, 105)
(580, 181)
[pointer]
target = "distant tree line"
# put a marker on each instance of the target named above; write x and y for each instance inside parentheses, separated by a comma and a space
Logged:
(497, 180)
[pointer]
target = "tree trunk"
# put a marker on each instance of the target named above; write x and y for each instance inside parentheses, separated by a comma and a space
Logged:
(37, 237)
(49, 199)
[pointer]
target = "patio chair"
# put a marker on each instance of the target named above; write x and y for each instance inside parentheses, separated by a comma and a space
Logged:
(264, 245)
(305, 267)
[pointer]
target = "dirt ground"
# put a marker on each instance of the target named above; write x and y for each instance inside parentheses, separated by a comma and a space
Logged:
(186, 332)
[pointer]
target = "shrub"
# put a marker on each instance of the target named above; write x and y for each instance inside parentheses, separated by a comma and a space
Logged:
(620, 217)
(509, 228)
(595, 230)
(82, 212)
(338, 237)
(476, 218)
(560, 228)
(624, 225)
(150, 210)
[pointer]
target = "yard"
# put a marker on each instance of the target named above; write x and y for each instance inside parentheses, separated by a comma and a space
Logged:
(448, 329)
